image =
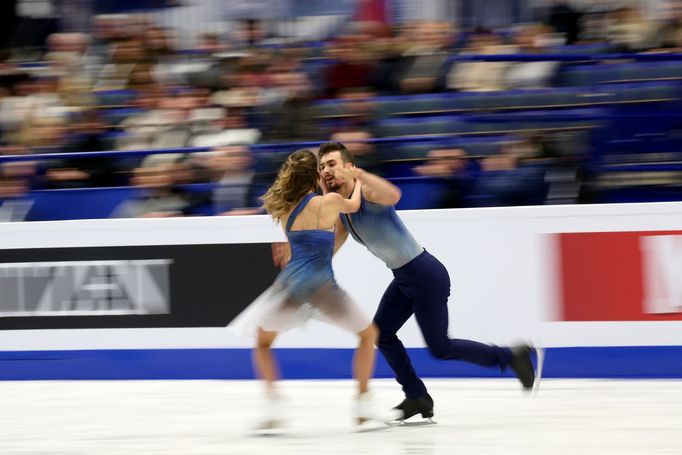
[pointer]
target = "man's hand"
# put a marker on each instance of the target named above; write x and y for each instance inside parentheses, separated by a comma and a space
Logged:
(377, 189)
(280, 254)
(348, 174)
(357, 172)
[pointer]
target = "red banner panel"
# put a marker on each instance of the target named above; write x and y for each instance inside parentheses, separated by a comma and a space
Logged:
(621, 276)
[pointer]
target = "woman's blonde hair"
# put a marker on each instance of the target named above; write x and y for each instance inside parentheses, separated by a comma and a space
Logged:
(297, 176)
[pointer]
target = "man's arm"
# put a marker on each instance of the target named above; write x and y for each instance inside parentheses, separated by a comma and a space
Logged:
(340, 237)
(281, 253)
(378, 190)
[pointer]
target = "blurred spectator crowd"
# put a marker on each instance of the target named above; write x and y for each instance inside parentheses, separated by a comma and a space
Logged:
(223, 111)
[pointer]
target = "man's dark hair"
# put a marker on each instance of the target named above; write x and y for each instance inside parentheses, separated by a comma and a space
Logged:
(329, 147)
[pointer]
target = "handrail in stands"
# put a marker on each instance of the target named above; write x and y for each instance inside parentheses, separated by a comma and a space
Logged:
(289, 145)
(565, 57)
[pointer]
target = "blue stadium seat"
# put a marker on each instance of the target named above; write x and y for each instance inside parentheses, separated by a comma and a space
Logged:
(581, 49)
(487, 147)
(410, 150)
(638, 194)
(647, 91)
(402, 158)
(576, 75)
(115, 97)
(117, 115)
(419, 192)
(643, 71)
(328, 108)
(436, 125)
(580, 75)
(411, 105)
(77, 204)
(474, 146)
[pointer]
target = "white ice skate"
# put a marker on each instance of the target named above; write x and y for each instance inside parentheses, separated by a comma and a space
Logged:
(365, 411)
(273, 421)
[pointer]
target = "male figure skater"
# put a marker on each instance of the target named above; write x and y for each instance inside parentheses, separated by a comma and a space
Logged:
(421, 285)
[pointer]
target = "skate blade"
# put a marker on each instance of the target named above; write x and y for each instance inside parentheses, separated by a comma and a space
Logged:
(371, 426)
(540, 359)
(269, 430)
(413, 423)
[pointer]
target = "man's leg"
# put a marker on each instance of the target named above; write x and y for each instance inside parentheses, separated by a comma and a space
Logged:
(431, 312)
(394, 310)
(363, 369)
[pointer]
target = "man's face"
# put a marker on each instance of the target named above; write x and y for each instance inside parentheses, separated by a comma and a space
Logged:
(329, 165)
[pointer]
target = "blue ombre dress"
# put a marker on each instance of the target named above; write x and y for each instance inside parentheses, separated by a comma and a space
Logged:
(304, 289)
(310, 266)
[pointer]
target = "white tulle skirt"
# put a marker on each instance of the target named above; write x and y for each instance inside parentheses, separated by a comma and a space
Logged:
(276, 310)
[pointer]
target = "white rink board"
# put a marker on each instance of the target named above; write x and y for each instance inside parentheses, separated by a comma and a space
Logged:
(501, 263)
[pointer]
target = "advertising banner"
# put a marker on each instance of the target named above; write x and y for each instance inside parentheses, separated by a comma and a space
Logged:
(621, 276)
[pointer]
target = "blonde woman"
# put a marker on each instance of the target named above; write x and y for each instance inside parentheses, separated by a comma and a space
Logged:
(306, 286)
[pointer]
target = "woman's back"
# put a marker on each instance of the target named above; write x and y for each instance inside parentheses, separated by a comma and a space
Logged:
(311, 215)
(312, 247)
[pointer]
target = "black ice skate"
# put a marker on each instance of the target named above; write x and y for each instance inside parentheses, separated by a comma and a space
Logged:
(411, 407)
(522, 365)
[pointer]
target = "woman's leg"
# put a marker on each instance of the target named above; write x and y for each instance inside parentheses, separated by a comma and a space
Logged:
(339, 310)
(266, 369)
(266, 365)
(365, 355)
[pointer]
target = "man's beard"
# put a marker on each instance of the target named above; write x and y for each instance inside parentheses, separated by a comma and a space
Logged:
(333, 186)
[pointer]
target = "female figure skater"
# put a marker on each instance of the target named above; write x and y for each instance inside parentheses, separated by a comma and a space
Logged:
(306, 287)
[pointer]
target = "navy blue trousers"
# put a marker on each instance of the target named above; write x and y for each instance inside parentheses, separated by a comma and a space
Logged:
(422, 287)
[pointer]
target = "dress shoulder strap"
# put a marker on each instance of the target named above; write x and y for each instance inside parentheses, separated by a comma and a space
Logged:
(297, 210)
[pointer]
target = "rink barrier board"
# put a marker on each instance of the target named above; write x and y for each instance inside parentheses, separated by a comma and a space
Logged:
(631, 362)
(516, 273)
